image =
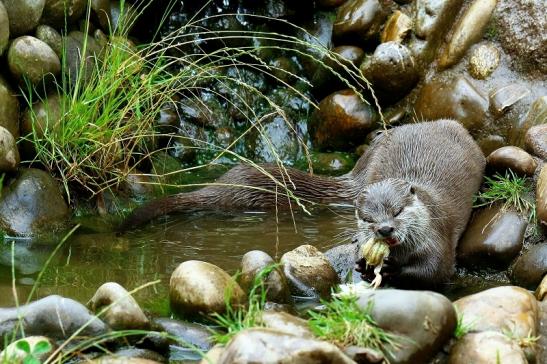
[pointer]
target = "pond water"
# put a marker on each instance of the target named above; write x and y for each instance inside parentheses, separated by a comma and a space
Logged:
(94, 254)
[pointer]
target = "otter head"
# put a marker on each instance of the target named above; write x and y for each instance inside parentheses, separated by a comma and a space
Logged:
(391, 210)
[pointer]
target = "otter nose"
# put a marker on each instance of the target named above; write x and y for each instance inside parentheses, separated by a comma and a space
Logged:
(385, 230)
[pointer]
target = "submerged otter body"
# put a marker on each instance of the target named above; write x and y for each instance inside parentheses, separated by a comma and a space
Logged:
(413, 187)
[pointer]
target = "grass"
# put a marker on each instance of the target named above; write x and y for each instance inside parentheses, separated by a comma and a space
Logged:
(511, 190)
(343, 322)
(462, 328)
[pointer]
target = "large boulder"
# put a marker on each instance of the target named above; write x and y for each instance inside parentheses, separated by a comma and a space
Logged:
(24, 15)
(31, 59)
(32, 204)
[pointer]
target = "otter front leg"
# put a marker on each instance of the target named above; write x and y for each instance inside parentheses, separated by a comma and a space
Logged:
(425, 272)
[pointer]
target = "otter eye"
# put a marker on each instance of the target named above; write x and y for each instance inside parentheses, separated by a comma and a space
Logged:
(398, 212)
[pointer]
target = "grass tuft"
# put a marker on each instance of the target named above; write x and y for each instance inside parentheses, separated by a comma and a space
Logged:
(462, 328)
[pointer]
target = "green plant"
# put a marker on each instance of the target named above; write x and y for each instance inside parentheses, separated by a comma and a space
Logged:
(511, 190)
(462, 327)
(343, 322)
(33, 354)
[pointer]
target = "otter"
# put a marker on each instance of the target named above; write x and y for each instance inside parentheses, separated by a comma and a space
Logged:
(413, 187)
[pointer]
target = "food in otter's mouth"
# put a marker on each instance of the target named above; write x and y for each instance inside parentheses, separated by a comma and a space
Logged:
(375, 251)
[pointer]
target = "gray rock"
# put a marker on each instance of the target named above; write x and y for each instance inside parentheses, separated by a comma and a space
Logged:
(188, 333)
(536, 140)
(275, 283)
(309, 272)
(200, 288)
(491, 142)
(45, 114)
(53, 316)
(130, 354)
(274, 347)
(123, 313)
(279, 136)
(530, 267)
(9, 108)
(483, 61)
(503, 98)
(4, 28)
(51, 37)
(486, 348)
(434, 16)
(343, 258)
(342, 121)
(56, 12)
(424, 320)
(9, 154)
(74, 51)
(520, 26)
(513, 158)
(541, 196)
(112, 359)
(361, 19)
(493, 237)
(287, 323)
(391, 70)
(457, 99)
(24, 15)
(30, 58)
(32, 204)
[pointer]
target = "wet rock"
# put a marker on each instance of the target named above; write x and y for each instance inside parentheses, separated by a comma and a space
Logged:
(425, 319)
(51, 37)
(397, 27)
(493, 237)
(483, 61)
(536, 140)
(275, 283)
(537, 114)
(287, 323)
(491, 142)
(530, 267)
(467, 31)
(199, 288)
(102, 11)
(53, 316)
(136, 183)
(91, 45)
(343, 258)
(9, 108)
(260, 345)
(187, 333)
(4, 28)
(318, 34)
(348, 58)
(485, 348)
(502, 309)
(434, 16)
(124, 313)
(30, 58)
(330, 3)
(112, 359)
(309, 272)
(131, 353)
(332, 164)
(391, 70)
(45, 114)
(342, 121)
(9, 154)
(520, 25)
(363, 355)
(502, 98)
(55, 11)
(116, 17)
(541, 196)
(24, 15)
(278, 136)
(359, 19)
(349, 55)
(284, 69)
(12, 354)
(457, 99)
(32, 204)
(513, 158)
(541, 290)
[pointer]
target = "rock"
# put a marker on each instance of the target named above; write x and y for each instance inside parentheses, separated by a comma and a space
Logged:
(53, 316)
(309, 272)
(434, 16)
(213, 355)
(520, 27)
(51, 37)
(513, 158)
(274, 347)
(111, 20)
(342, 60)
(342, 121)
(483, 61)
(112, 359)
(397, 27)
(541, 291)
(536, 140)
(24, 15)
(330, 3)
(502, 98)
(331, 164)
(73, 50)
(45, 114)
(316, 34)
(537, 114)
(391, 70)
(32, 204)
(199, 288)
(131, 353)
(9, 108)
(530, 267)
(12, 354)
(102, 10)
(4, 28)
(361, 19)
(541, 196)
(508, 309)
(194, 334)
(279, 136)
(457, 99)
(9, 154)
(426, 321)
(275, 283)
(491, 142)
(486, 348)
(56, 12)
(287, 323)
(124, 313)
(343, 258)
(493, 237)
(30, 58)
(467, 31)
(364, 355)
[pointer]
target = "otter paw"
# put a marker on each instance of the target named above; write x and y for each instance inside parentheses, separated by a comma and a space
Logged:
(390, 268)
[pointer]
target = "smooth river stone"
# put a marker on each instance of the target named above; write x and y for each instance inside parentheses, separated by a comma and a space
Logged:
(541, 196)
(483, 61)
(434, 16)
(359, 18)
(9, 153)
(530, 267)
(486, 348)
(24, 15)
(513, 158)
(4, 28)
(397, 27)
(536, 140)
(9, 108)
(30, 58)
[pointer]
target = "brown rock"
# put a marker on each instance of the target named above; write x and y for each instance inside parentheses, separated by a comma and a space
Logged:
(9, 108)
(490, 143)
(30, 58)
(9, 153)
(502, 98)
(536, 140)
(287, 323)
(513, 158)
(24, 15)
(530, 267)
(536, 116)
(434, 16)
(4, 28)
(541, 196)
(541, 291)
(361, 19)
(397, 27)
(486, 348)
(483, 61)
